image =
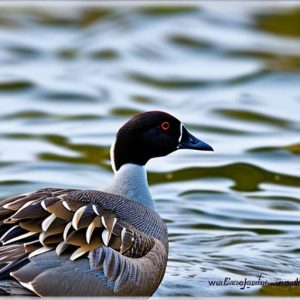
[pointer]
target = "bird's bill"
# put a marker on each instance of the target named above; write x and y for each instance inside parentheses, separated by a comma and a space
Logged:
(188, 141)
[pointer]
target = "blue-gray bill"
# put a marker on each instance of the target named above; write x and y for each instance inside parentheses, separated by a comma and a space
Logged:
(188, 141)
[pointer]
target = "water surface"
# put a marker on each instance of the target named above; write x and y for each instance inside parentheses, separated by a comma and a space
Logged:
(71, 76)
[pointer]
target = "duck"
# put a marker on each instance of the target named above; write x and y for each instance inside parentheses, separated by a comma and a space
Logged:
(72, 242)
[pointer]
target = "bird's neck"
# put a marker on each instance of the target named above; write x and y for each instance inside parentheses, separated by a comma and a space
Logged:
(130, 181)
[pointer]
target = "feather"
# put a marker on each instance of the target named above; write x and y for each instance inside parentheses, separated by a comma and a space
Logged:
(32, 225)
(10, 233)
(66, 230)
(76, 217)
(95, 243)
(61, 247)
(72, 205)
(46, 203)
(93, 225)
(76, 238)
(32, 246)
(20, 237)
(60, 211)
(48, 221)
(39, 251)
(17, 202)
(95, 209)
(28, 211)
(105, 237)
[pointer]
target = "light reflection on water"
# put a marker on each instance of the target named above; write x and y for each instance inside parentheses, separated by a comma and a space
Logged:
(71, 76)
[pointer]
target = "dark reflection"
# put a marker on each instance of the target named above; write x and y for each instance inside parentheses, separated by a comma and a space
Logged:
(165, 10)
(15, 85)
(124, 112)
(284, 23)
(67, 53)
(87, 158)
(168, 83)
(105, 54)
(288, 201)
(273, 61)
(280, 290)
(67, 96)
(189, 42)
(12, 182)
(249, 77)
(27, 115)
(254, 117)
(24, 52)
(234, 229)
(93, 15)
(89, 154)
(143, 99)
(246, 177)
(295, 149)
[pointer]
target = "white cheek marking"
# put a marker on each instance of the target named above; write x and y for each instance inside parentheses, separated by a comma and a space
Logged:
(180, 137)
(112, 156)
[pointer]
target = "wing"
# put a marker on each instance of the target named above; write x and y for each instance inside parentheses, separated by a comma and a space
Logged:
(55, 221)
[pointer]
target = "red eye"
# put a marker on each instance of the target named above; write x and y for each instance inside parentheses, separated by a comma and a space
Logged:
(165, 126)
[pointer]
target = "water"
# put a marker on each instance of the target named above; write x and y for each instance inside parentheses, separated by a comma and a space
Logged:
(71, 76)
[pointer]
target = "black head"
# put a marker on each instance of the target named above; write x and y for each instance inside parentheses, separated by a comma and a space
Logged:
(152, 134)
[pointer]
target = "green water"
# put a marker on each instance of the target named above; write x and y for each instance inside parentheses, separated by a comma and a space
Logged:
(71, 76)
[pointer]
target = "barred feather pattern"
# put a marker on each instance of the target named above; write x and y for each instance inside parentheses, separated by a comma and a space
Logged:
(111, 230)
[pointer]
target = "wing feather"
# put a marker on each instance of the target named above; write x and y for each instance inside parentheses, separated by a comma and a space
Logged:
(53, 219)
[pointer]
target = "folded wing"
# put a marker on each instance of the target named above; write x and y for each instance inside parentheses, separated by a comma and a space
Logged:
(51, 220)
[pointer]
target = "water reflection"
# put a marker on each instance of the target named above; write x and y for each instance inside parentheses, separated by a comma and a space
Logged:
(71, 76)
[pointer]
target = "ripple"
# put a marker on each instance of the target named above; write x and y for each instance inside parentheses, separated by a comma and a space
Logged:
(24, 52)
(171, 83)
(124, 112)
(295, 149)
(162, 10)
(27, 115)
(67, 53)
(283, 23)
(105, 54)
(189, 42)
(246, 177)
(72, 76)
(67, 96)
(249, 116)
(16, 85)
(90, 16)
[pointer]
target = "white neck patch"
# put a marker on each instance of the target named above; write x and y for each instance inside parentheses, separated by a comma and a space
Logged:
(112, 156)
(131, 182)
(181, 132)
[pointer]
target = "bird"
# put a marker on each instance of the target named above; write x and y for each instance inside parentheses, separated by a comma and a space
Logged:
(72, 242)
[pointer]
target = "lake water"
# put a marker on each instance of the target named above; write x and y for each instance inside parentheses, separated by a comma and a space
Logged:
(70, 76)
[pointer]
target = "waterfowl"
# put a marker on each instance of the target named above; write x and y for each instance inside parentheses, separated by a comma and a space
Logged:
(69, 242)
